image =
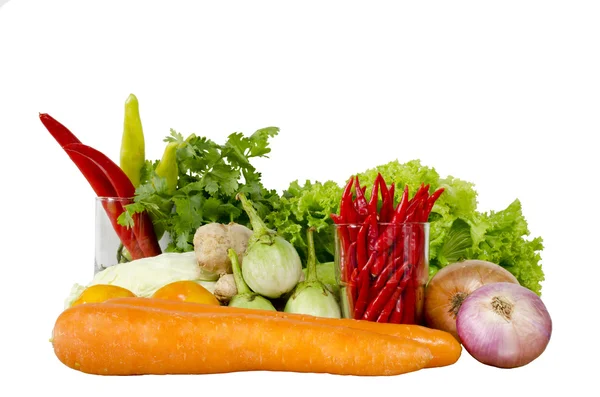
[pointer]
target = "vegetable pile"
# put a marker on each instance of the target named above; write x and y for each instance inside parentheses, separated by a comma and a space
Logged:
(407, 273)
(197, 180)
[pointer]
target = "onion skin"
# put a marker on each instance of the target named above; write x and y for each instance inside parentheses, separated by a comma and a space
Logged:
(452, 284)
(509, 336)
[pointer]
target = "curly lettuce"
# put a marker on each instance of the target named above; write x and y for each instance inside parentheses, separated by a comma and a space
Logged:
(304, 206)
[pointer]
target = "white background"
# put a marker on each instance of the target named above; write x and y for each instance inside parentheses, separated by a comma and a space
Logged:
(502, 94)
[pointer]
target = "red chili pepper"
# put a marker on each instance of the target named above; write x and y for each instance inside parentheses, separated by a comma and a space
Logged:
(337, 219)
(420, 195)
(361, 243)
(391, 192)
(372, 235)
(383, 276)
(377, 304)
(391, 270)
(430, 202)
(358, 276)
(398, 248)
(346, 200)
(387, 204)
(416, 212)
(363, 293)
(390, 233)
(408, 295)
(123, 186)
(61, 134)
(349, 262)
(400, 279)
(383, 189)
(360, 204)
(374, 199)
(348, 189)
(347, 210)
(396, 316)
(384, 316)
(400, 212)
(379, 264)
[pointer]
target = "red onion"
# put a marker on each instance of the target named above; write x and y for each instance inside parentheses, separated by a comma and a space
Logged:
(504, 325)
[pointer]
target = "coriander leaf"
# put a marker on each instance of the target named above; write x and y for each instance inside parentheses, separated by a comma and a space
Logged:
(226, 177)
(229, 212)
(260, 141)
(211, 185)
(174, 137)
(148, 171)
(210, 209)
(235, 150)
(191, 187)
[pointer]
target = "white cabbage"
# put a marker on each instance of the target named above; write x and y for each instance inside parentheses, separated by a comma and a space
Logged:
(144, 276)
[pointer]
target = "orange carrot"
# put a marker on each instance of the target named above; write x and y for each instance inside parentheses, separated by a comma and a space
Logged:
(110, 339)
(446, 350)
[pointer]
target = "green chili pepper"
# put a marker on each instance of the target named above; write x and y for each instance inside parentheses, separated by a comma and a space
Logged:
(167, 167)
(133, 153)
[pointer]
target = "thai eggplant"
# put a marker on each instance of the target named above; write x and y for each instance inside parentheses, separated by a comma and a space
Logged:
(244, 297)
(312, 296)
(271, 265)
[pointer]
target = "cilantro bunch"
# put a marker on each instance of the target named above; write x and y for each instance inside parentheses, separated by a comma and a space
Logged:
(209, 177)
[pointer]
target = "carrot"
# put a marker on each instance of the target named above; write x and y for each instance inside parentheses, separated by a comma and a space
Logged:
(116, 339)
(446, 350)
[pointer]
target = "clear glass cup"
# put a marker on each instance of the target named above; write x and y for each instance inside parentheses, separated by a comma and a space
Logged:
(115, 243)
(383, 272)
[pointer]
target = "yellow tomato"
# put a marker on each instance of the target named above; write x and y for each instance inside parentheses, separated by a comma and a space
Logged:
(102, 292)
(186, 291)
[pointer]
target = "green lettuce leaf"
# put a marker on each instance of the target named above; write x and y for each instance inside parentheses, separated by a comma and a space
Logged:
(505, 243)
(304, 206)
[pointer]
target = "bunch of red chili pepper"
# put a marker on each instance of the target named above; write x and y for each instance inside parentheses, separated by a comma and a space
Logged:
(382, 253)
(108, 180)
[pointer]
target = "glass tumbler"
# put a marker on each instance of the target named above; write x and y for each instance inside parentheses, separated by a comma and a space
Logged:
(382, 271)
(112, 241)
(115, 243)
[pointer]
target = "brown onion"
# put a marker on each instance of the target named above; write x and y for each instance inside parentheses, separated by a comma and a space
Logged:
(452, 284)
